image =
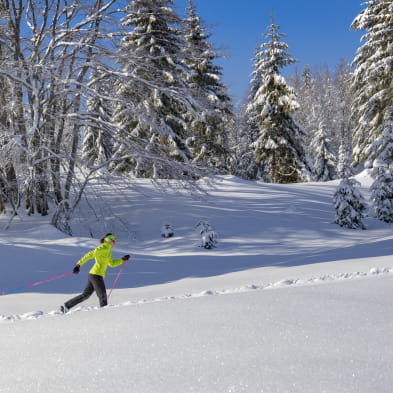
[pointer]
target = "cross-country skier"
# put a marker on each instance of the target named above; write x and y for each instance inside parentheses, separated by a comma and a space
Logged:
(95, 281)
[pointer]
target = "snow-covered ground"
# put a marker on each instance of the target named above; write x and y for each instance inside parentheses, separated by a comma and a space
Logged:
(286, 302)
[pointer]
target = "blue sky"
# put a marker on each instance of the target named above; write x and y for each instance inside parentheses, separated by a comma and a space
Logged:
(317, 32)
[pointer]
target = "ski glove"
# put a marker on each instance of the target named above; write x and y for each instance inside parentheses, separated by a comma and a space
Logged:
(126, 258)
(76, 269)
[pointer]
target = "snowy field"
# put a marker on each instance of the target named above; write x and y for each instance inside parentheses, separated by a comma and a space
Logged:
(287, 302)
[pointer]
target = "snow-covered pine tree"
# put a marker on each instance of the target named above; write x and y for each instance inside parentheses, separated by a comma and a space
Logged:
(328, 108)
(372, 77)
(208, 235)
(382, 195)
(344, 161)
(243, 160)
(324, 161)
(304, 89)
(245, 165)
(372, 107)
(349, 204)
(278, 149)
(344, 99)
(323, 107)
(382, 147)
(257, 75)
(210, 133)
(155, 102)
(382, 187)
(167, 230)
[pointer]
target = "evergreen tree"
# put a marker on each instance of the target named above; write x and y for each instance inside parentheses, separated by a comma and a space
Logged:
(372, 77)
(344, 162)
(155, 103)
(257, 75)
(243, 163)
(278, 148)
(382, 187)
(210, 135)
(324, 162)
(382, 196)
(349, 205)
(344, 99)
(305, 92)
(328, 106)
(246, 165)
(382, 147)
(324, 107)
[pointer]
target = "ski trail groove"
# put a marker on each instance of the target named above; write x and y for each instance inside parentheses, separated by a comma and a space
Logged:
(285, 283)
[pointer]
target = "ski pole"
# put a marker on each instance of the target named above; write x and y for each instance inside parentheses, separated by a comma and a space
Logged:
(34, 284)
(117, 278)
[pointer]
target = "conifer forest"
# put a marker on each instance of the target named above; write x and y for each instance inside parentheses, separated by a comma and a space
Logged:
(101, 89)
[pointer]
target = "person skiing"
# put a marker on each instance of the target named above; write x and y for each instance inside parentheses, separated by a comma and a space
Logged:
(95, 281)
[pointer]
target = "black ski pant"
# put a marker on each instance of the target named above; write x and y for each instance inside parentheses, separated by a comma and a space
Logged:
(94, 283)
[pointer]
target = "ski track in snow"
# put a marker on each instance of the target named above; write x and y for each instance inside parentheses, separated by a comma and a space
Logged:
(33, 315)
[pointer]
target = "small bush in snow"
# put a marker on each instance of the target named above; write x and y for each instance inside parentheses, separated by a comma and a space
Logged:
(349, 205)
(208, 236)
(166, 231)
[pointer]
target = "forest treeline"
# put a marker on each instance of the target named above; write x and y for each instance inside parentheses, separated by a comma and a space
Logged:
(106, 88)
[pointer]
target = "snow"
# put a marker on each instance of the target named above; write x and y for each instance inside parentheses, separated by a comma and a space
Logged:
(287, 302)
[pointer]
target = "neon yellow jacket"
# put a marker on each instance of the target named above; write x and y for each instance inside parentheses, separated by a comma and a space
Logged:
(103, 256)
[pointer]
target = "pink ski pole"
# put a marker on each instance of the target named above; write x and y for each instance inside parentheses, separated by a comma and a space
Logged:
(117, 278)
(35, 283)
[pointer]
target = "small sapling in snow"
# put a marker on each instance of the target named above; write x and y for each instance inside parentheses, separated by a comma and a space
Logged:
(208, 236)
(167, 231)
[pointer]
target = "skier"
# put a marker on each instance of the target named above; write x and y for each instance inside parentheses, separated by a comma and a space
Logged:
(95, 282)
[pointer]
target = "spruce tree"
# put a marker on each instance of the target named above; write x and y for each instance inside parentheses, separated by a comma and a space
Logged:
(382, 187)
(306, 99)
(372, 77)
(246, 165)
(155, 103)
(244, 132)
(278, 147)
(344, 161)
(324, 161)
(372, 109)
(349, 205)
(210, 132)
(382, 196)
(344, 99)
